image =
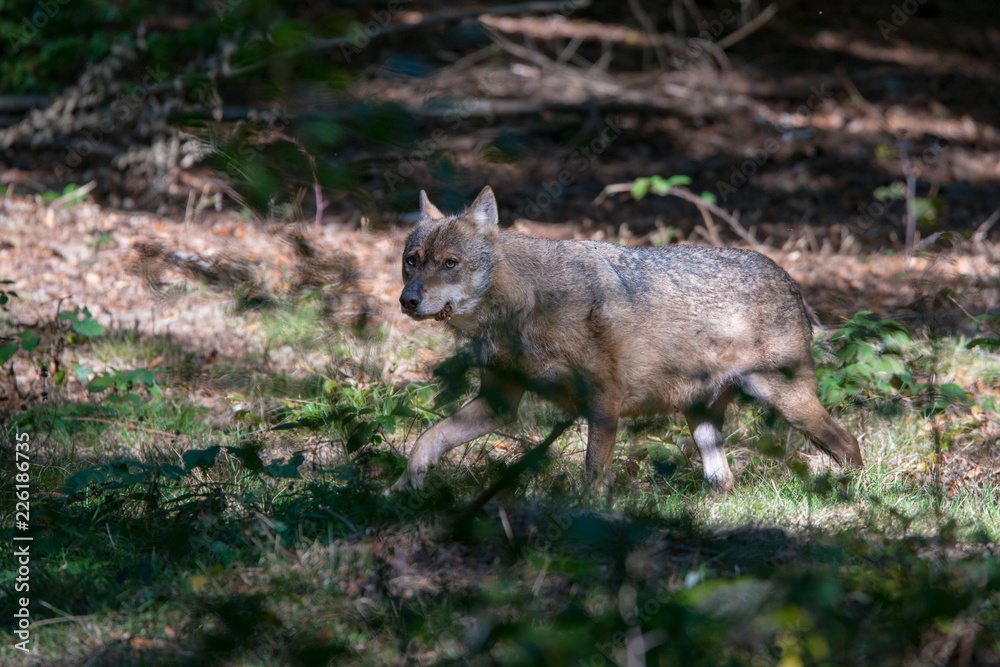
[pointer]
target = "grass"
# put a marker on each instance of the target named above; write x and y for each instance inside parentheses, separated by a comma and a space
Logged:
(247, 555)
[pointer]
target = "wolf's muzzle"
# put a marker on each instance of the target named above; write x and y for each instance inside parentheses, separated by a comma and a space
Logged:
(411, 297)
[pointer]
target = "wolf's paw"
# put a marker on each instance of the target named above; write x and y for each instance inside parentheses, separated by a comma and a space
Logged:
(722, 482)
(412, 479)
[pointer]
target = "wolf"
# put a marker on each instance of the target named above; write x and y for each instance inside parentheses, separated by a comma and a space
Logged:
(607, 331)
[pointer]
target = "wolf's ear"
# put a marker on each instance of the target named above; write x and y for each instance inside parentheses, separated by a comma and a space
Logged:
(484, 210)
(427, 209)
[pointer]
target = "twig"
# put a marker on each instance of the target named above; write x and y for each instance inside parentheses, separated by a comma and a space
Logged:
(120, 423)
(713, 231)
(317, 189)
(699, 18)
(589, 80)
(347, 522)
(812, 315)
(689, 196)
(555, 27)
(525, 443)
(613, 189)
(749, 28)
(982, 229)
(529, 460)
(911, 195)
(69, 196)
(970, 315)
(650, 28)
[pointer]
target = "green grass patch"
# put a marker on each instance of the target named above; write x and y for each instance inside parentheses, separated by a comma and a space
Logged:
(163, 537)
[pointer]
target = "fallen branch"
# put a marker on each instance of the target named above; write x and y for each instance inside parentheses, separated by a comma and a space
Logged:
(557, 27)
(749, 28)
(318, 45)
(434, 19)
(594, 82)
(22, 103)
(704, 208)
(523, 464)
(490, 108)
(123, 424)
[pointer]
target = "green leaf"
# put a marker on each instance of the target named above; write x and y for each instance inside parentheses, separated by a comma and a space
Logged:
(640, 188)
(659, 186)
(170, 471)
(325, 131)
(954, 393)
(895, 190)
(81, 479)
(246, 415)
(88, 327)
(7, 351)
(991, 344)
(83, 372)
(289, 470)
(100, 383)
(287, 426)
(249, 455)
(708, 197)
(29, 340)
(403, 411)
(200, 458)
(138, 376)
(678, 179)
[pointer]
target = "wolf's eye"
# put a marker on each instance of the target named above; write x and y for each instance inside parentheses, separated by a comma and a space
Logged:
(450, 263)
(411, 261)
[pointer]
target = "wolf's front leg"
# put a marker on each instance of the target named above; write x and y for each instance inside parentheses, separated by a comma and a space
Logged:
(602, 431)
(495, 406)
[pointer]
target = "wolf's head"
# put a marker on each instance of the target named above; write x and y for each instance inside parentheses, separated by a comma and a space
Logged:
(448, 259)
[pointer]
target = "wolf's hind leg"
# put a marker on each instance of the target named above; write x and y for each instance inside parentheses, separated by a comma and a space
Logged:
(495, 406)
(705, 424)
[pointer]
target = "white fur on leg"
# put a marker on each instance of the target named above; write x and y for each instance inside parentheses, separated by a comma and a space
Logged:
(713, 457)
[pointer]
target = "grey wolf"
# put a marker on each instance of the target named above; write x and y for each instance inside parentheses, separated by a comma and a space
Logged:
(608, 331)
